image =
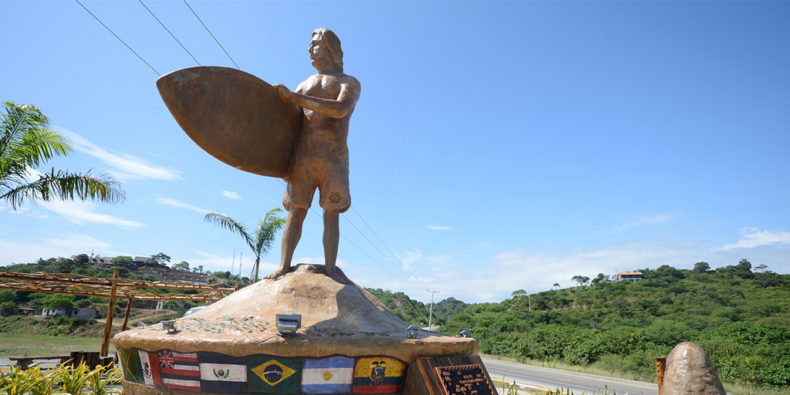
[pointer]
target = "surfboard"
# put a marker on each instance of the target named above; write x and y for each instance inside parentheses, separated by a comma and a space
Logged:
(234, 116)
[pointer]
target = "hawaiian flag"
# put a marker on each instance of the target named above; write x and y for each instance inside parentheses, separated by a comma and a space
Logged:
(378, 375)
(222, 374)
(179, 370)
(331, 375)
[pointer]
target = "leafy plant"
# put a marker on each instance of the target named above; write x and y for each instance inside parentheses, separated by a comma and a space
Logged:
(26, 142)
(259, 242)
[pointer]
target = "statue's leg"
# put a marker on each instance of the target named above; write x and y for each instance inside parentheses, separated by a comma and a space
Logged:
(331, 239)
(291, 236)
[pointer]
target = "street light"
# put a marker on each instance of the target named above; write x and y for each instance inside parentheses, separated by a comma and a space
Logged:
(430, 313)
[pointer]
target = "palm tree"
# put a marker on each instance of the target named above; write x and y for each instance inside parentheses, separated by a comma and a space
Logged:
(26, 142)
(261, 241)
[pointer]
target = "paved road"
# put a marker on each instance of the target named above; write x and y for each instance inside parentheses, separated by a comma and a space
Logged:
(547, 378)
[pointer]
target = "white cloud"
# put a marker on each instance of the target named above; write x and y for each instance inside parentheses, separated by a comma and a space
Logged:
(410, 257)
(647, 219)
(124, 166)
(534, 271)
(230, 195)
(438, 227)
(752, 237)
(79, 212)
(62, 246)
(177, 203)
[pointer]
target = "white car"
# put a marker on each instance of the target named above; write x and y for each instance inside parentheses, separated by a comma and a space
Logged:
(193, 310)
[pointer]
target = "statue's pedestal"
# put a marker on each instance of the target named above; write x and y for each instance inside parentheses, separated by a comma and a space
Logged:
(348, 343)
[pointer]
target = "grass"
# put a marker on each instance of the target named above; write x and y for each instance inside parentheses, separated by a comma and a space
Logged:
(18, 345)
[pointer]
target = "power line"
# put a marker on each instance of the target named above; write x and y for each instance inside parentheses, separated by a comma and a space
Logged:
(375, 234)
(312, 211)
(116, 36)
(374, 245)
(211, 34)
(168, 31)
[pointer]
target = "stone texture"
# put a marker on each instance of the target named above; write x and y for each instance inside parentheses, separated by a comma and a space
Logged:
(689, 371)
(337, 318)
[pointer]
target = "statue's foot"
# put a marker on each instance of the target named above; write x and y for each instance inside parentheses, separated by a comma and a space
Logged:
(331, 272)
(277, 274)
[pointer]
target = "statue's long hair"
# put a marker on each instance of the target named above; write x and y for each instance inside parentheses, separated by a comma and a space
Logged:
(333, 44)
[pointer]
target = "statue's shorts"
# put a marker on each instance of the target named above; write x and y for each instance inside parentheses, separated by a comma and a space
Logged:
(330, 179)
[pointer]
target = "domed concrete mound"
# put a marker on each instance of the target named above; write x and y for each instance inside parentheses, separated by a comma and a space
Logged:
(348, 343)
(689, 371)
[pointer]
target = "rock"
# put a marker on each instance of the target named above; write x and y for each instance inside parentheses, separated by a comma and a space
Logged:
(337, 318)
(689, 371)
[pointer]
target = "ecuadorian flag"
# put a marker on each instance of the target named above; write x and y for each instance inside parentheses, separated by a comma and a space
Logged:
(327, 375)
(378, 375)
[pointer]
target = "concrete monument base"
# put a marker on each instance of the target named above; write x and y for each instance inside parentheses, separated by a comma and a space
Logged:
(348, 343)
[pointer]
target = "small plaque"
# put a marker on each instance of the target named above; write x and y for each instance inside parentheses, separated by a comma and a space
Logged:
(464, 380)
(451, 375)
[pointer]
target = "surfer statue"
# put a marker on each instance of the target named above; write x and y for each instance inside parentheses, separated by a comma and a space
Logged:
(320, 158)
(299, 136)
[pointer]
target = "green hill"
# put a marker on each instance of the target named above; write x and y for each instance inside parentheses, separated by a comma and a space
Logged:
(740, 317)
(415, 312)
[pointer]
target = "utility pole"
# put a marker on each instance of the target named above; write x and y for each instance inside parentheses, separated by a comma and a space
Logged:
(430, 312)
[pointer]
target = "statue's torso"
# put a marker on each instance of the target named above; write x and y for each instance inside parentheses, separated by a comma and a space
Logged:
(323, 137)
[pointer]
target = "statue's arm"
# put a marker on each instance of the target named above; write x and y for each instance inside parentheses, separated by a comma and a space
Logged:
(335, 108)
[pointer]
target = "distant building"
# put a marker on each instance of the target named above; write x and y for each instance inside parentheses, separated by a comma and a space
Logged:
(94, 260)
(83, 312)
(629, 276)
(22, 310)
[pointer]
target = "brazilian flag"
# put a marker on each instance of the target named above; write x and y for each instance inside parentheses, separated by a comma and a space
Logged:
(130, 364)
(273, 375)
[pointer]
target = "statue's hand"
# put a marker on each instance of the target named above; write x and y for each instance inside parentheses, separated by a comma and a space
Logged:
(284, 93)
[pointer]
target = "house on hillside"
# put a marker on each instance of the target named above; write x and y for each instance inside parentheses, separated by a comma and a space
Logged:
(22, 310)
(83, 312)
(629, 276)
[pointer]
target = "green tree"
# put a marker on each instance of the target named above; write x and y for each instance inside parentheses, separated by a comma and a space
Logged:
(259, 242)
(701, 267)
(183, 266)
(7, 295)
(160, 258)
(82, 259)
(7, 308)
(27, 142)
(601, 278)
(518, 292)
(582, 280)
(59, 302)
(122, 260)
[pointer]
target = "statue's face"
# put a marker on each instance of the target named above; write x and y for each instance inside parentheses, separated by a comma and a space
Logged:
(319, 53)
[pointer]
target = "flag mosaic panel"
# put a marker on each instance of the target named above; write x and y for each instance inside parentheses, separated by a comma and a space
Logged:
(210, 372)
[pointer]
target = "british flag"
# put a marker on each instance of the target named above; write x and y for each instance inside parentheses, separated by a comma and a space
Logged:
(179, 370)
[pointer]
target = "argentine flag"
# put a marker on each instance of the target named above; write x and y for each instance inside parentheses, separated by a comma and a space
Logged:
(328, 375)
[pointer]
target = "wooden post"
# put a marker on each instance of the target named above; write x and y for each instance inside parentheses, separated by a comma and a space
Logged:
(126, 316)
(661, 363)
(105, 345)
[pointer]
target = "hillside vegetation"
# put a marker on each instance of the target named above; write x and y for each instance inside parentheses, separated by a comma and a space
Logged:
(740, 317)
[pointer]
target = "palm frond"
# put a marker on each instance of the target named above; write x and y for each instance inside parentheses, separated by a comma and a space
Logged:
(267, 231)
(26, 136)
(65, 185)
(225, 222)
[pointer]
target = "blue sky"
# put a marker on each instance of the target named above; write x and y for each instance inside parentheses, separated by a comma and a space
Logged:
(495, 146)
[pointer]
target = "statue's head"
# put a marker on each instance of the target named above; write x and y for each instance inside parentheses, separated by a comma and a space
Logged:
(325, 47)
